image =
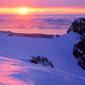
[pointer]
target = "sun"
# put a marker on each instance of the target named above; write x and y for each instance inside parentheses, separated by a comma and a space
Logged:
(23, 11)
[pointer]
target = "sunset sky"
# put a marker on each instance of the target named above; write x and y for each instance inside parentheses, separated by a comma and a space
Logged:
(39, 6)
(42, 3)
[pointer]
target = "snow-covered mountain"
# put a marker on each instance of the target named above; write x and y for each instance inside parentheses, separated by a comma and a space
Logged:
(16, 68)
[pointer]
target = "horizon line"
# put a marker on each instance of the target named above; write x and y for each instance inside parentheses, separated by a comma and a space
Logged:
(53, 10)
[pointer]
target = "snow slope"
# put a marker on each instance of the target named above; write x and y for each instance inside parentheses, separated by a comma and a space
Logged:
(15, 71)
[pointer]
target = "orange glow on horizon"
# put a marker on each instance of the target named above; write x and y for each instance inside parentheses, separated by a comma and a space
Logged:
(20, 10)
(28, 10)
(23, 11)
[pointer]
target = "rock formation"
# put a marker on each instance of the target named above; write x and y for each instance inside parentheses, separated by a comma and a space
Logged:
(78, 26)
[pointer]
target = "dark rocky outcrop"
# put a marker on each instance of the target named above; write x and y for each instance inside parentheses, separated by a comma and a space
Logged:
(78, 26)
(79, 53)
(81, 62)
(41, 60)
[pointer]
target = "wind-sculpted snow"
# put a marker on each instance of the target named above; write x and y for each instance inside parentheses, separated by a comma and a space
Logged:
(17, 72)
(15, 65)
(12, 72)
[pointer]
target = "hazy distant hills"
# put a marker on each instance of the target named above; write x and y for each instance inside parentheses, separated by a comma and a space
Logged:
(36, 35)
